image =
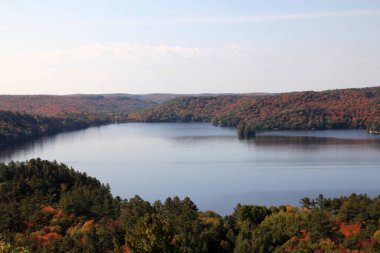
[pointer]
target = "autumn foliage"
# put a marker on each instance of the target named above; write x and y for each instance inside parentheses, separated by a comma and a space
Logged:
(49, 105)
(333, 109)
(23, 118)
(48, 207)
(349, 230)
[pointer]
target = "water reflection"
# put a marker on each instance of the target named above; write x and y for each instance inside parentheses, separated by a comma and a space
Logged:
(310, 140)
(24, 148)
(38, 145)
(211, 166)
(293, 138)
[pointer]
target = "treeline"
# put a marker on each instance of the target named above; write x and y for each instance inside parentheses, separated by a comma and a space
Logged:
(333, 109)
(51, 105)
(48, 207)
(374, 126)
(19, 127)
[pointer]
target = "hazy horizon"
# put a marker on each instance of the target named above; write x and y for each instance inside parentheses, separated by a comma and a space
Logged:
(187, 47)
(173, 93)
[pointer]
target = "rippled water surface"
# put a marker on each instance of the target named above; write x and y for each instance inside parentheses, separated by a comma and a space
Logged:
(211, 166)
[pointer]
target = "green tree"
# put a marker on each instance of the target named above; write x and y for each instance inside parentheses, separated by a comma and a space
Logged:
(150, 234)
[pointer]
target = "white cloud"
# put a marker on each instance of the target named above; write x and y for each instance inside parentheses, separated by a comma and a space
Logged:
(141, 68)
(136, 54)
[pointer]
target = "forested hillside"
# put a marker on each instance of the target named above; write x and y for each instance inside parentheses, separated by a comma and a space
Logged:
(333, 109)
(48, 207)
(49, 105)
(102, 104)
(35, 116)
(23, 118)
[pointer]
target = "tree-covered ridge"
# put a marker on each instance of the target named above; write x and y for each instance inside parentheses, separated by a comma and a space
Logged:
(27, 117)
(333, 109)
(48, 207)
(41, 201)
(35, 116)
(97, 105)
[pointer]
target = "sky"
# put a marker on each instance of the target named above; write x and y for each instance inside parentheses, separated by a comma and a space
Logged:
(187, 46)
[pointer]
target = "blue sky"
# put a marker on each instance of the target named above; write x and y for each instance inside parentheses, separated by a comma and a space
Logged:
(193, 46)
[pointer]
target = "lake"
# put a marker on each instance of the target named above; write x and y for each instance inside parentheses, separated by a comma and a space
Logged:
(211, 166)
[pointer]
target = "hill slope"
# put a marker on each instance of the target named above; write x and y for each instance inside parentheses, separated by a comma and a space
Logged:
(50, 105)
(23, 118)
(333, 109)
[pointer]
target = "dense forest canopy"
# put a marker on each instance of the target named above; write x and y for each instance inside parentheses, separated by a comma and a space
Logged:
(96, 104)
(333, 109)
(48, 207)
(50, 105)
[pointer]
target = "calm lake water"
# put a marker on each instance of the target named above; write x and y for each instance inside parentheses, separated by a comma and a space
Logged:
(211, 166)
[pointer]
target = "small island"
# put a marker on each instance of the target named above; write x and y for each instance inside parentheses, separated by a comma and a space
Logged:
(246, 131)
